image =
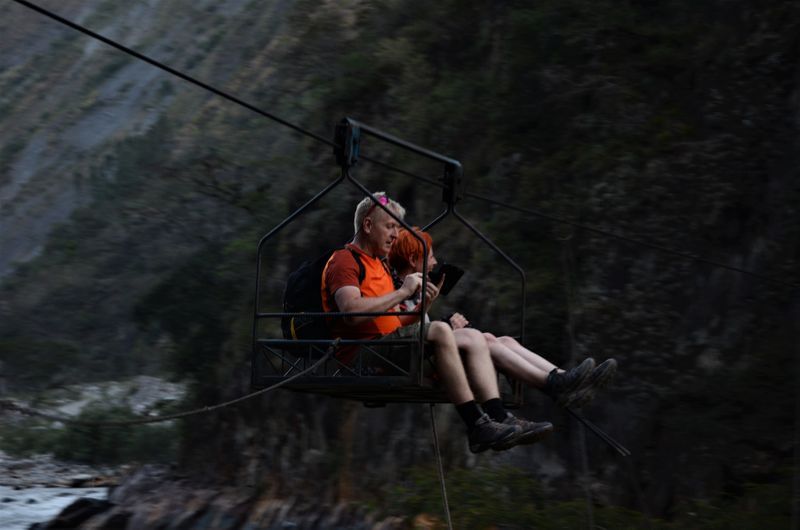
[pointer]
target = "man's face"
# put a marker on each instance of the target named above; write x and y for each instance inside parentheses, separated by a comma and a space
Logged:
(381, 231)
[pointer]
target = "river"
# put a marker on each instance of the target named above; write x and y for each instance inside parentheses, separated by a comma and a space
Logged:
(20, 508)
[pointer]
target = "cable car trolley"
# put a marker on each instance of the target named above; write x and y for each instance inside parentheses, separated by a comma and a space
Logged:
(379, 371)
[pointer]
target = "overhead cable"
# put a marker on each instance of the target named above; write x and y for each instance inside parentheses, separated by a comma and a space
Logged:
(402, 171)
(210, 88)
(389, 167)
(172, 71)
(632, 240)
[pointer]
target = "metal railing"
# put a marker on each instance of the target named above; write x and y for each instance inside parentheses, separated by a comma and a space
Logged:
(404, 374)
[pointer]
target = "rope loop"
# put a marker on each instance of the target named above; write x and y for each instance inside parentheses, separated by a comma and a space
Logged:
(11, 405)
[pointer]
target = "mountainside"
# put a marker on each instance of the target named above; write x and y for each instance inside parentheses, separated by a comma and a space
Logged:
(131, 203)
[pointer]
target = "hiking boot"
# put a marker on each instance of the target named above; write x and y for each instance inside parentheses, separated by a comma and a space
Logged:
(600, 377)
(530, 431)
(488, 434)
(560, 386)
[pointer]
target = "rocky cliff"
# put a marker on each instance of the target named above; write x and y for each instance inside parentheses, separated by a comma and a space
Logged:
(132, 203)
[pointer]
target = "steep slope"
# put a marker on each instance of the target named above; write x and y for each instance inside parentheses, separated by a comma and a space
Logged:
(143, 199)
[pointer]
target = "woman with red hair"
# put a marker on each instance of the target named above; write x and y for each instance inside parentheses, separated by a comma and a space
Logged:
(574, 387)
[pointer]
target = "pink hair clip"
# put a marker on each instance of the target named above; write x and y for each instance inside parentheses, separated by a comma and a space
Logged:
(383, 199)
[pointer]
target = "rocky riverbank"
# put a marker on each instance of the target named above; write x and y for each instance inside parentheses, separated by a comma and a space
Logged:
(38, 488)
(20, 508)
(46, 472)
(151, 498)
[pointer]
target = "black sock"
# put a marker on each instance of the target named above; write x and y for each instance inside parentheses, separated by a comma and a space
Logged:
(494, 408)
(469, 412)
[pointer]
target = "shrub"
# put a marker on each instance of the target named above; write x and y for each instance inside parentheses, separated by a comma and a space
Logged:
(94, 444)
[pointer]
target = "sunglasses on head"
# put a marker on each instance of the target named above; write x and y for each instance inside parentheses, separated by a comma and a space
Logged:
(383, 199)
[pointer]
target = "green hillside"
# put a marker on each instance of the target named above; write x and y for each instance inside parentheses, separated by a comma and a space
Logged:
(131, 204)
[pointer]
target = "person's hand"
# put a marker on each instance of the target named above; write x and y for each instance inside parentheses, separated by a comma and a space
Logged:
(432, 291)
(458, 321)
(412, 284)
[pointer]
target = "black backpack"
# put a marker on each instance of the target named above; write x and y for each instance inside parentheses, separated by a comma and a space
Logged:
(303, 295)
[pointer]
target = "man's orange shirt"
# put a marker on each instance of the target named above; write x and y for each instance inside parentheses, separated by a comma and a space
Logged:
(341, 271)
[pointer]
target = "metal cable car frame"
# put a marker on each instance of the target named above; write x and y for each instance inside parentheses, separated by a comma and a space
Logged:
(375, 377)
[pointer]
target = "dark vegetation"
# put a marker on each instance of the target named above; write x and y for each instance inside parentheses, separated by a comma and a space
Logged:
(509, 498)
(94, 444)
(672, 123)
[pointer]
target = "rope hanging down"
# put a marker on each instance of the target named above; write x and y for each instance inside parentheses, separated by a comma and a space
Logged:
(440, 468)
(11, 405)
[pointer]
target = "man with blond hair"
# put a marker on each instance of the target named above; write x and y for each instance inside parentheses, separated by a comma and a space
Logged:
(466, 383)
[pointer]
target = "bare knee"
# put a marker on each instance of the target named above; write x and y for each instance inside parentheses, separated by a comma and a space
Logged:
(508, 341)
(441, 335)
(470, 339)
(476, 337)
(489, 338)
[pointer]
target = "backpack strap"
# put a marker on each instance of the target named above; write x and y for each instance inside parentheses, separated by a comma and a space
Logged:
(362, 272)
(396, 280)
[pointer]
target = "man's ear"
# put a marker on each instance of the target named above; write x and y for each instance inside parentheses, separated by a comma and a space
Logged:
(367, 225)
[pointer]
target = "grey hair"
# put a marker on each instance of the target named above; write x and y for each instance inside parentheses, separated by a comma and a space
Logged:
(365, 205)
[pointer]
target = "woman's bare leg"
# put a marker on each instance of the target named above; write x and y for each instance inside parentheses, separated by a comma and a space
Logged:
(516, 364)
(533, 358)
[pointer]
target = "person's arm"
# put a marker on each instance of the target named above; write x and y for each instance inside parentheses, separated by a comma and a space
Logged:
(349, 299)
(407, 320)
(432, 293)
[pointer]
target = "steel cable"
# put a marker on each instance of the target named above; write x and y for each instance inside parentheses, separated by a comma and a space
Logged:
(389, 167)
(210, 88)
(632, 240)
(11, 405)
